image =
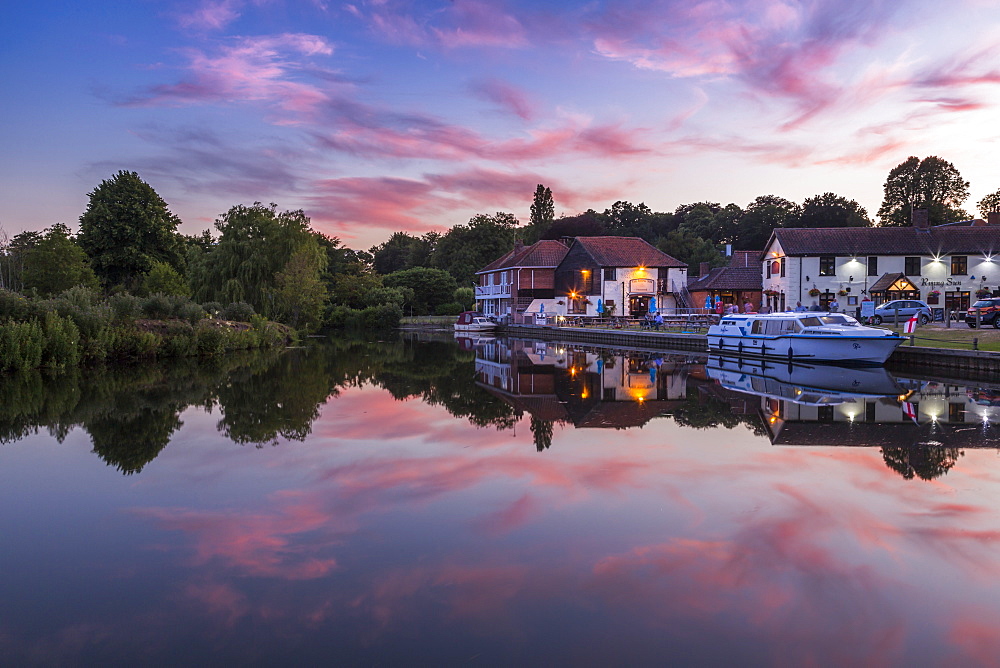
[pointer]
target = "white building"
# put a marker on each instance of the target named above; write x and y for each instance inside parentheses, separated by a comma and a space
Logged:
(947, 266)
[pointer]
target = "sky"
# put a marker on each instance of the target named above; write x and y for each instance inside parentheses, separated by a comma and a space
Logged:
(393, 115)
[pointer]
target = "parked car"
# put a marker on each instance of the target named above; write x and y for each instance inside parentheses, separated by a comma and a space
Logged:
(988, 309)
(906, 308)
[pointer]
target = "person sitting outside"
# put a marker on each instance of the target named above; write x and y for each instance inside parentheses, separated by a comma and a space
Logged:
(657, 320)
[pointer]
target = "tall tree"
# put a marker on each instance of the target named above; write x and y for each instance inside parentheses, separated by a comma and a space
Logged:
(55, 263)
(301, 293)
(13, 253)
(830, 210)
(932, 183)
(761, 217)
(256, 243)
(586, 224)
(431, 287)
(394, 254)
(543, 212)
(466, 249)
(989, 204)
(126, 228)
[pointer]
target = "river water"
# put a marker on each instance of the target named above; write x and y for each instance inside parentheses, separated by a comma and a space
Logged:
(497, 502)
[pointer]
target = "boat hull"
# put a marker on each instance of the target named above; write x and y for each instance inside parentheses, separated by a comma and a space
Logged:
(862, 350)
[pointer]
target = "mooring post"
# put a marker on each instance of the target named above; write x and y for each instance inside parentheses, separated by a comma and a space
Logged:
(975, 343)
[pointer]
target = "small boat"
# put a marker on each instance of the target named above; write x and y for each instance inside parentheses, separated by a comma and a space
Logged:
(803, 337)
(474, 321)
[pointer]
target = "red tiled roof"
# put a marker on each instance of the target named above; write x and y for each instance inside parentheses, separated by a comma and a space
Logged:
(889, 240)
(729, 278)
(745, 258)
(626, 252)
(544, 253)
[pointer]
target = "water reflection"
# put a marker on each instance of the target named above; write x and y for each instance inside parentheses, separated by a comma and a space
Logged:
(397, 511)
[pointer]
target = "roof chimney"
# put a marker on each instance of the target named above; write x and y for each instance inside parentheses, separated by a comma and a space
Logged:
(993, 218)
(518, 245)
(703, 269)
(920, 219)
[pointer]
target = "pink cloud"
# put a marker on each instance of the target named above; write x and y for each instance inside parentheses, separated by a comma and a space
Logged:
(211, 15)
(460, 24)
(505, 96)
(258, 70)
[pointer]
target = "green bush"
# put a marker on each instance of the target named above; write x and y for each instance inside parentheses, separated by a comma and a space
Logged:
(125, 308)
(210, 340)
(191, 312)
(15, 306)
(61, 347)
(179, 345)
(386, 316)
(239, 312)
(213, 309)
(21, 345)
(451, 308)
(157, 307)
(126, 343)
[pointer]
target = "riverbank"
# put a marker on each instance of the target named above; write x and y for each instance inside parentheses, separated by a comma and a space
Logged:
(943, 360)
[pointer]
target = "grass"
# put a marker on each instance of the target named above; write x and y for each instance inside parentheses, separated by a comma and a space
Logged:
(959, 336)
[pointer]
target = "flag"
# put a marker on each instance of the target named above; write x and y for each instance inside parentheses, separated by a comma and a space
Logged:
(911, 325)
(909, 411)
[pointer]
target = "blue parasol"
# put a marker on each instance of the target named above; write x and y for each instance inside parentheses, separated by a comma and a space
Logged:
(652, 305)
(708, 301)
(600, 306)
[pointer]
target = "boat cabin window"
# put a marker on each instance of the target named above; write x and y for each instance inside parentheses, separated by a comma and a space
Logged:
(782, 326)
(758, 327)
(811, 321)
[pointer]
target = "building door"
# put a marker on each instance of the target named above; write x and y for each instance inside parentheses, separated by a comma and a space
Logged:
(956, 301)
(638, 306)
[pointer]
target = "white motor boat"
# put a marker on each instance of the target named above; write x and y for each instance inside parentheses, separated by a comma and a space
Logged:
(473, 321)
(802, 337)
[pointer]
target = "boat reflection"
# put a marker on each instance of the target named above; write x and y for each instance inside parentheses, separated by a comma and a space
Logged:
(921, 425)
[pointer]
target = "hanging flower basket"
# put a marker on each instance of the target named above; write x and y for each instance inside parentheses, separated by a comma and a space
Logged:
(814, 292)
(934, 293)
(771, 293)
(560, 303)
(842, 293)
(982, 292)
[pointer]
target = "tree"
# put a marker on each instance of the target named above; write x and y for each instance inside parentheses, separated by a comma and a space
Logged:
(691, 249)
(431, 287)
(760, 218)
(164, 279)
(830, 210)
(989, 204)
(301, 293)
(932, 183)
(256, 243)
(55, 263)
(466, 249)
(543, 212)
(126, 229)
(397, 253)
(586, 224)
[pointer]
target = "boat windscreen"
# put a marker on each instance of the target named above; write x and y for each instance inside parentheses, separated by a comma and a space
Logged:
(837, 320)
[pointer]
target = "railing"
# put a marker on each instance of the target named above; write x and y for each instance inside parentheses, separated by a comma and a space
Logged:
(681, 294)
(493, 290)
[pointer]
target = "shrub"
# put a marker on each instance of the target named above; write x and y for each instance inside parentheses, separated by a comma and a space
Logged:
(125, 307)
(386, 316)
(213, 309)
(14, 306)
(451, 308)
(191, 312)
(238, 312)
(157, 307)
(179, 345)
(210, 340)
(61, 347)
(21, 345)
(126, 343)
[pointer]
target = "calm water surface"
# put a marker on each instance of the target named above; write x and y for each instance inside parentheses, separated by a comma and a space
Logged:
(497, 502)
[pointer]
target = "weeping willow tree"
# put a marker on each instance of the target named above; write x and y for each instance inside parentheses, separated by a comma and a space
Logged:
(257, 251)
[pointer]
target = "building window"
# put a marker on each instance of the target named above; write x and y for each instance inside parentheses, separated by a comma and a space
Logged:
(911, 266)
(956, 412)
(767, 269)
(577, 305)
(959, 265)
(609, 274)
(586, 282)
(783, 262)
(826, 265)
(873, 266)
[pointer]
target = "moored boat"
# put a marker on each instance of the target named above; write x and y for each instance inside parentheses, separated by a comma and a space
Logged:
(812, 337)
(474, 321)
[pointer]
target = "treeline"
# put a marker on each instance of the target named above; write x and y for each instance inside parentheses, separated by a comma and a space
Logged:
(286, 271)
